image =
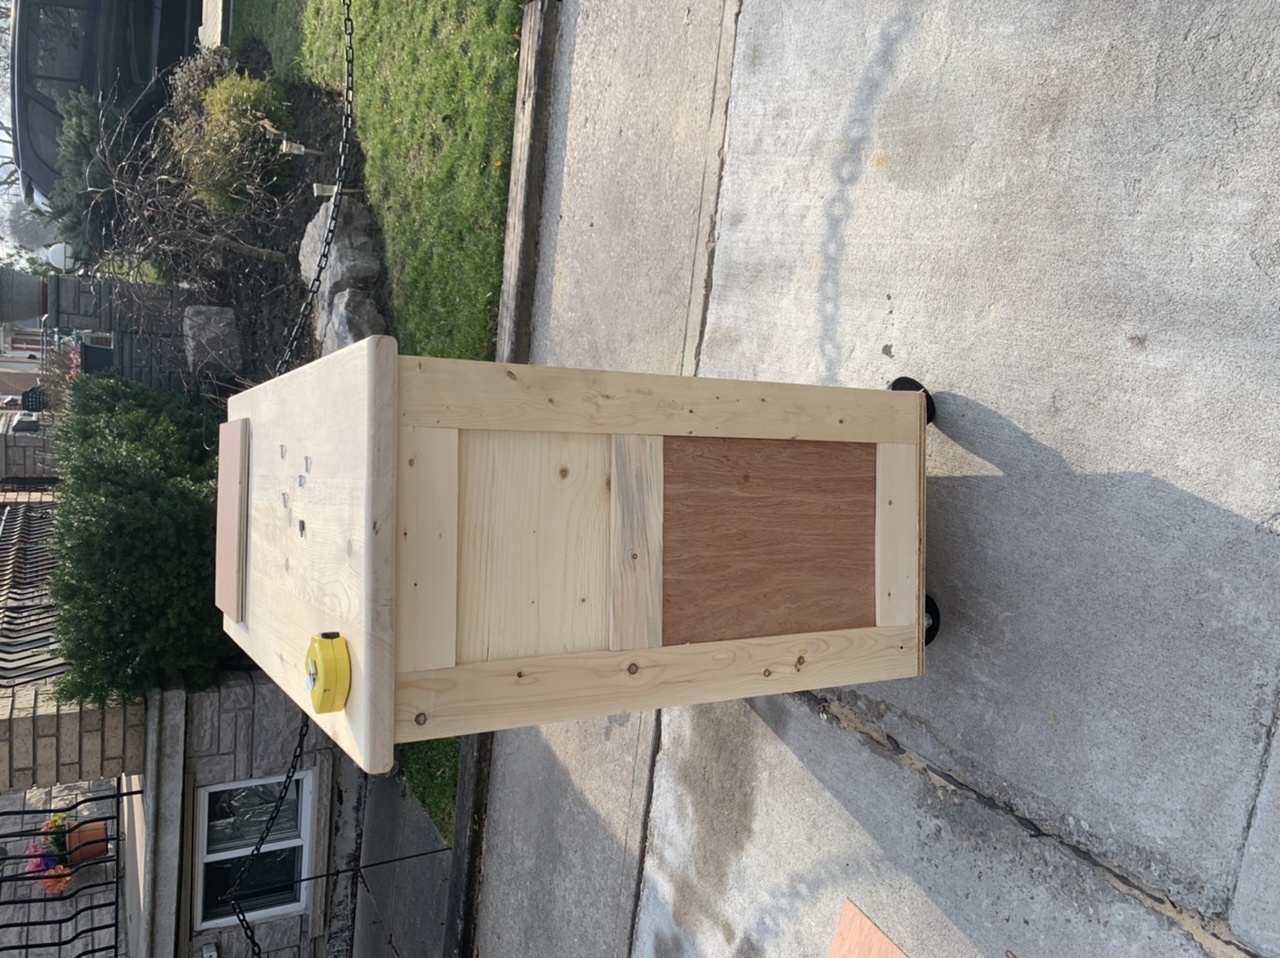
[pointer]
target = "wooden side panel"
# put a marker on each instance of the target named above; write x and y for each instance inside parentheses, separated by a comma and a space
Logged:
(898, 600)
(426, 549)
(533, 564)
(537, 690)
(921, 490)
(233, 515)
(321, 537)
(762, 537)
(471, 395)
(635, 593)
(857, 937)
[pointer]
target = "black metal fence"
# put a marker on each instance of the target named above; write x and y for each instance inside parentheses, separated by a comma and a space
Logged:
(60, 894)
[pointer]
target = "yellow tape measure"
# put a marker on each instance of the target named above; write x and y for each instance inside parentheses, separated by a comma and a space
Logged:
(328, 672)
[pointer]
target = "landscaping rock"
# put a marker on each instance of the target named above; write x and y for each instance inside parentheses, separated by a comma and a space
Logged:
(353, 269)
(211, 339)
(352, 316)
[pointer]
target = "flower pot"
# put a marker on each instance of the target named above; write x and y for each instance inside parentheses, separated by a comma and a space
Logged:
(86, 842)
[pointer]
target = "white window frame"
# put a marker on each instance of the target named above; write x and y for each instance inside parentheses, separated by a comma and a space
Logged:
(306, 816)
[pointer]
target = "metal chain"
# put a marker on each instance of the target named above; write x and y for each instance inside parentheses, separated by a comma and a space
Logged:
(233, 892)
(344, 149)
(291, 346)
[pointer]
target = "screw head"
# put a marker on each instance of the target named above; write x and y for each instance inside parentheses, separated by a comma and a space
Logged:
(420, 718)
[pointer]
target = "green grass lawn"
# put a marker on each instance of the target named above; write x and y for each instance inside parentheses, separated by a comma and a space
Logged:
(434, 103)
(431, 769)
(434, 108)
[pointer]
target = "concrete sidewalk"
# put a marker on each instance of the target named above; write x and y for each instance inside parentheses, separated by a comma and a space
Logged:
(1061, 219)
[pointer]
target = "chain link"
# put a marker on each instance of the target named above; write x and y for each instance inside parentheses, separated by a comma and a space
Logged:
(340, 178)
(233, 892)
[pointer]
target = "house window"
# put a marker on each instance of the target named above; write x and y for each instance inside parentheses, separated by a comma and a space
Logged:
(230, 819)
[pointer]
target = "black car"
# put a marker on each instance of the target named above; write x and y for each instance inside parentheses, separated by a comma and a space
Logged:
(111, 48)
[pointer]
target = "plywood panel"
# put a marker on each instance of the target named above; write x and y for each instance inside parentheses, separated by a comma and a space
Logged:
(635, 596)
(320, 551)
(898, 600)
(233, 514)
(537, 690)
(426, 549)
(762, 537)
(468, 395)
(857, 937)
(533, 573)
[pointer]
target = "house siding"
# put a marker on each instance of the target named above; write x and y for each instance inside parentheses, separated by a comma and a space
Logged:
(247, 729)
(46, 742)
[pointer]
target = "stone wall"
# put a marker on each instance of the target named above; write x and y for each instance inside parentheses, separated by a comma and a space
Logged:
(244, 730)
(26, 454)
(146, 322)
(44, 742)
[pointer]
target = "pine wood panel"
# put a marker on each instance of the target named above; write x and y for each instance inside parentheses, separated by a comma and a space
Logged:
(558, 688)
(762, 537)
(471, 395)
(898, 600)
(635, 592)
(922, 486)
(533, 564)
(426, 549)
(233, 515)
(322, 452)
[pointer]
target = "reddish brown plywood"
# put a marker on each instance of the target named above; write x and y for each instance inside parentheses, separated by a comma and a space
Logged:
(766, 537)
(857, 937)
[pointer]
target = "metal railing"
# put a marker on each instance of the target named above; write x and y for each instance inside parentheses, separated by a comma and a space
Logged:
(73, 911)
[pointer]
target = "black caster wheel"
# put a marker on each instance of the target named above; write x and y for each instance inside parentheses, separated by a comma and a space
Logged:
(908, 385)
(932, 619)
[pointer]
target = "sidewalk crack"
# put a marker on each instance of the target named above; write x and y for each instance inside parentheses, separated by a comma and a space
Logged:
(1214, 935)
(642, 848)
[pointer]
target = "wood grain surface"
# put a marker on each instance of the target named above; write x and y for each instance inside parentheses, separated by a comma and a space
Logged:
(233, 517)
(456, 394)
(762, 537)
(426, 549)
(533, 561)
(635, 543)
(898, 596)
(320, 554)
(558, 688)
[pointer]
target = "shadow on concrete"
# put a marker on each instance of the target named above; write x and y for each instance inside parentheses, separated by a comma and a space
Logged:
(559, 878)
(401, 907)
(848, 169)
(559, 49)
(1108, 661)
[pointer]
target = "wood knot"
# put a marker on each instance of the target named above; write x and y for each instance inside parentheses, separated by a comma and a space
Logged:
(632, 669)
(420, 718)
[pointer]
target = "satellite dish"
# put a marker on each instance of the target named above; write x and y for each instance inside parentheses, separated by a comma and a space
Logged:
(62, 258)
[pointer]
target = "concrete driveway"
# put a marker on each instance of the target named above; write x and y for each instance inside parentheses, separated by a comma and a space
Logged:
(1062, 217)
